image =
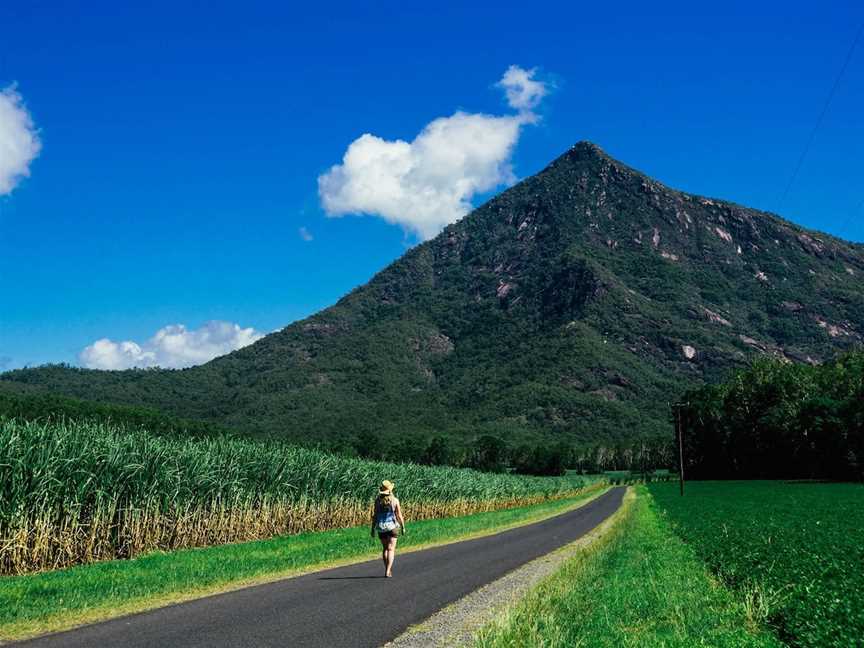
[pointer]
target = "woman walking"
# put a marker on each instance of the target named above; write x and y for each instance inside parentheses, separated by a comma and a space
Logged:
(386, 521)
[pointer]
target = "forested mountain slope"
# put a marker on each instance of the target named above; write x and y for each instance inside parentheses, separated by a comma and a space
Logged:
(575, 305)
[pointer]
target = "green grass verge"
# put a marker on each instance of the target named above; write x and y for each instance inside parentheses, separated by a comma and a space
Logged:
(39, 603)
(636, 586)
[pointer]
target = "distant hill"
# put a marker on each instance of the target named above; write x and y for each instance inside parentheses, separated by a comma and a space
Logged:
(574, 306)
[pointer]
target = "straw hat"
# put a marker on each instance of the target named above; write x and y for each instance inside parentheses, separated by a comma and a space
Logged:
(386, 487)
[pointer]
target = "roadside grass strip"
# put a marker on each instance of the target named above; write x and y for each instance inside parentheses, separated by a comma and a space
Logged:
(638, 585)
(794, 552)
(34, 604)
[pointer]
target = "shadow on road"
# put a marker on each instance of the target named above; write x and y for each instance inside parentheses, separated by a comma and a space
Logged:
(348, 577)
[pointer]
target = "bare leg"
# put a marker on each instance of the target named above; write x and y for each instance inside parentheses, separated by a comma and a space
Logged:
(385, 547)
(391, 555)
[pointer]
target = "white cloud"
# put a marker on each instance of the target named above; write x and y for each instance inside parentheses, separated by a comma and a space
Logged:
(305, 234)
(428, 183)
(19, 141)
(523, 91)
(172, 347)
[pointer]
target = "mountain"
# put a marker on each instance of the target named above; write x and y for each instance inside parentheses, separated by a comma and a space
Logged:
(573, 306)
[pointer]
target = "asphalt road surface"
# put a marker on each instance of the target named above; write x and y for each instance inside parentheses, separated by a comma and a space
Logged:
(349, 606)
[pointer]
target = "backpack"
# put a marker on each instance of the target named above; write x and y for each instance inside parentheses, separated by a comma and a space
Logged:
(385, 520)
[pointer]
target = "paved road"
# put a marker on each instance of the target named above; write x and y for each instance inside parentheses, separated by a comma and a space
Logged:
(348, 606)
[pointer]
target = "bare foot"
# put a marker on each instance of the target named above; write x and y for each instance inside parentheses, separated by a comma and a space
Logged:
(388, 575)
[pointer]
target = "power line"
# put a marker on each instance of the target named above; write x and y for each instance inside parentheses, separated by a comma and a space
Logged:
(822, 114)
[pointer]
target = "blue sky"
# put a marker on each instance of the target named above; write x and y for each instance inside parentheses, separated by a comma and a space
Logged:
(181, 143)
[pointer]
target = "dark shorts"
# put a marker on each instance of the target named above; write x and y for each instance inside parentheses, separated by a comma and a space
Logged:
(386, 535)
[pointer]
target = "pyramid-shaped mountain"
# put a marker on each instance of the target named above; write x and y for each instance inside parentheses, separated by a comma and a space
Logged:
(575, 305)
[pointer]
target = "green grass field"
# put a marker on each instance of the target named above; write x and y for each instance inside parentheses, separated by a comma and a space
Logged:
(36, 603)
(793, 551)
(639, 585)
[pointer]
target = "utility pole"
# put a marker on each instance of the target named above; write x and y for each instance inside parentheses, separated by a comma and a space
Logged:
(679, 432)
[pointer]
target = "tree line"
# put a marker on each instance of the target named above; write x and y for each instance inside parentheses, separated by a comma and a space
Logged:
(777, 420)
(35, 406)
(494, 453)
